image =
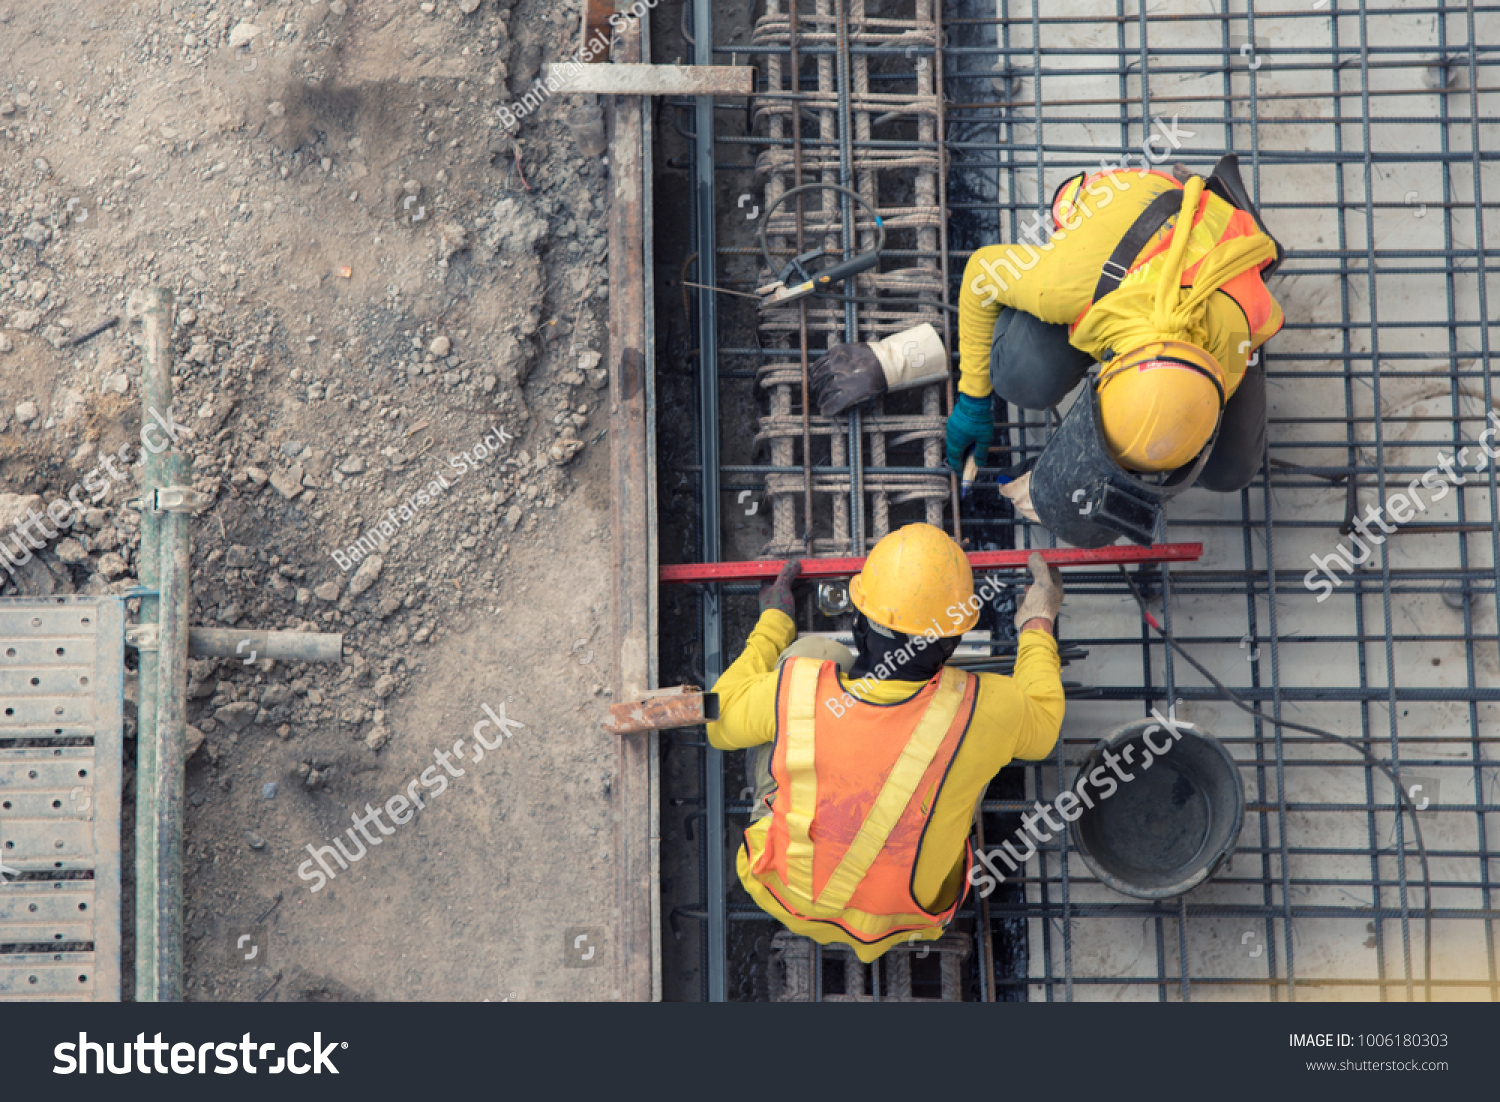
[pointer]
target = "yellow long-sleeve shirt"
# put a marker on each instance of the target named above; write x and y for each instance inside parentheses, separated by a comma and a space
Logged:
(1014, 717)
(1056, 281)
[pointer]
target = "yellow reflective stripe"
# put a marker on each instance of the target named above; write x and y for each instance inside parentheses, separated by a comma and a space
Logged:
(802, 792)
(896, 795)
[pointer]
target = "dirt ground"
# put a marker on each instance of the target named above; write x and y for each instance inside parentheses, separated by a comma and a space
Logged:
(377, 288)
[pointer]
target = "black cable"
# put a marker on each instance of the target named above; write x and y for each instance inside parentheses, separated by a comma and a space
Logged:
(765, 249)
(831, 296)
(1389, 770)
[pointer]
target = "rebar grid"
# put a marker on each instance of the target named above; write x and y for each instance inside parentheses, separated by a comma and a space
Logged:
(821, 116)
(1355, 129)
(1367, 136)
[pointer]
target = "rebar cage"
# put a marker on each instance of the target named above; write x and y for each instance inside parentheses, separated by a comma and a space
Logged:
(1367, 136)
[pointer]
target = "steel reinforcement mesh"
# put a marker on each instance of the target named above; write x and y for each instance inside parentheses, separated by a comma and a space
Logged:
(1367, 137)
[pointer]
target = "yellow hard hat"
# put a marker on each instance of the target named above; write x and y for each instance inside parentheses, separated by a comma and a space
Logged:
(1159, 405)
(917, 579)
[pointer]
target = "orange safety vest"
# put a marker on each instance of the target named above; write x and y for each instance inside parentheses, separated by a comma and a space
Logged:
(855, 787)
(1216, 222)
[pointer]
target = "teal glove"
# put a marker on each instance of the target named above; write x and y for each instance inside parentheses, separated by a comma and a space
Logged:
(970, 425)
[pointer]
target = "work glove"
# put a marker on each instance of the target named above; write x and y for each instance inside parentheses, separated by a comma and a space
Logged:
(971, 425)
(1018, 493)
(778, 594)
(848, 374)
(1044, 596)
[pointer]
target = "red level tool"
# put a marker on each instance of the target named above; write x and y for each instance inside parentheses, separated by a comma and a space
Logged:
(818, 569)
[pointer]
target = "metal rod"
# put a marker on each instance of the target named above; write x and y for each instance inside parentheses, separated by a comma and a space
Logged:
(248, 646)
(708, 494)
(844, 130)
(949, 394)
(169, 790)
(762, 569)
(802, 356)
(156, 395)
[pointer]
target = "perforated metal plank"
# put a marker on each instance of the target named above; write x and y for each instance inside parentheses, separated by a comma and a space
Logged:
(57, 912)
(55, 977)
(62, 675)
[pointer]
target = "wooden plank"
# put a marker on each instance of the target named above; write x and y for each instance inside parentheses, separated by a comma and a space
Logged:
(682, 706)
(633, 626)
(652, 80)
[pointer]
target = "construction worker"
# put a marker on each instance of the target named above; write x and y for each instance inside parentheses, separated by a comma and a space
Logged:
(1160, 279)
(868, 768)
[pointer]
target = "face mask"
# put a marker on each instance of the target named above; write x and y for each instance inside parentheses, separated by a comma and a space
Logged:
(902, 658)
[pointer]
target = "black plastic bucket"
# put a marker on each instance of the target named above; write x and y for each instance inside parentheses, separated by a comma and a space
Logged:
(1173, 823)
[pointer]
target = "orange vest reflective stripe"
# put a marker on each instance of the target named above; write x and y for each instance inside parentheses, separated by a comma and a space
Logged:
(856, 786)
(1216, 222)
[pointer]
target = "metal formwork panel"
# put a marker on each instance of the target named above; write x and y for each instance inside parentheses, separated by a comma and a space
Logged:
(62, 674)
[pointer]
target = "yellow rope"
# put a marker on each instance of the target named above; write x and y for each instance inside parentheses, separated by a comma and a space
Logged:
(1174, 312)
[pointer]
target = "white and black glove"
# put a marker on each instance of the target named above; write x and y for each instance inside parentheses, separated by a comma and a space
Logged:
(848, 374)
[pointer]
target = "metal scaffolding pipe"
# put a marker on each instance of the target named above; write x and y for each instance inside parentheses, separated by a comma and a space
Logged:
(162, 710)
(284, 646)
(168, 790)
(156, 395)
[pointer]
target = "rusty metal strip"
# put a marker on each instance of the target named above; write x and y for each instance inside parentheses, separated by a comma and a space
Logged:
(664, 710)
(631, 429)
(596, 28)
(652, 80)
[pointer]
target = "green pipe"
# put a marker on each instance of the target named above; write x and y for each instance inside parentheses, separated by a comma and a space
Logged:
(156, 394)
(171, 740)
(248, 646)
